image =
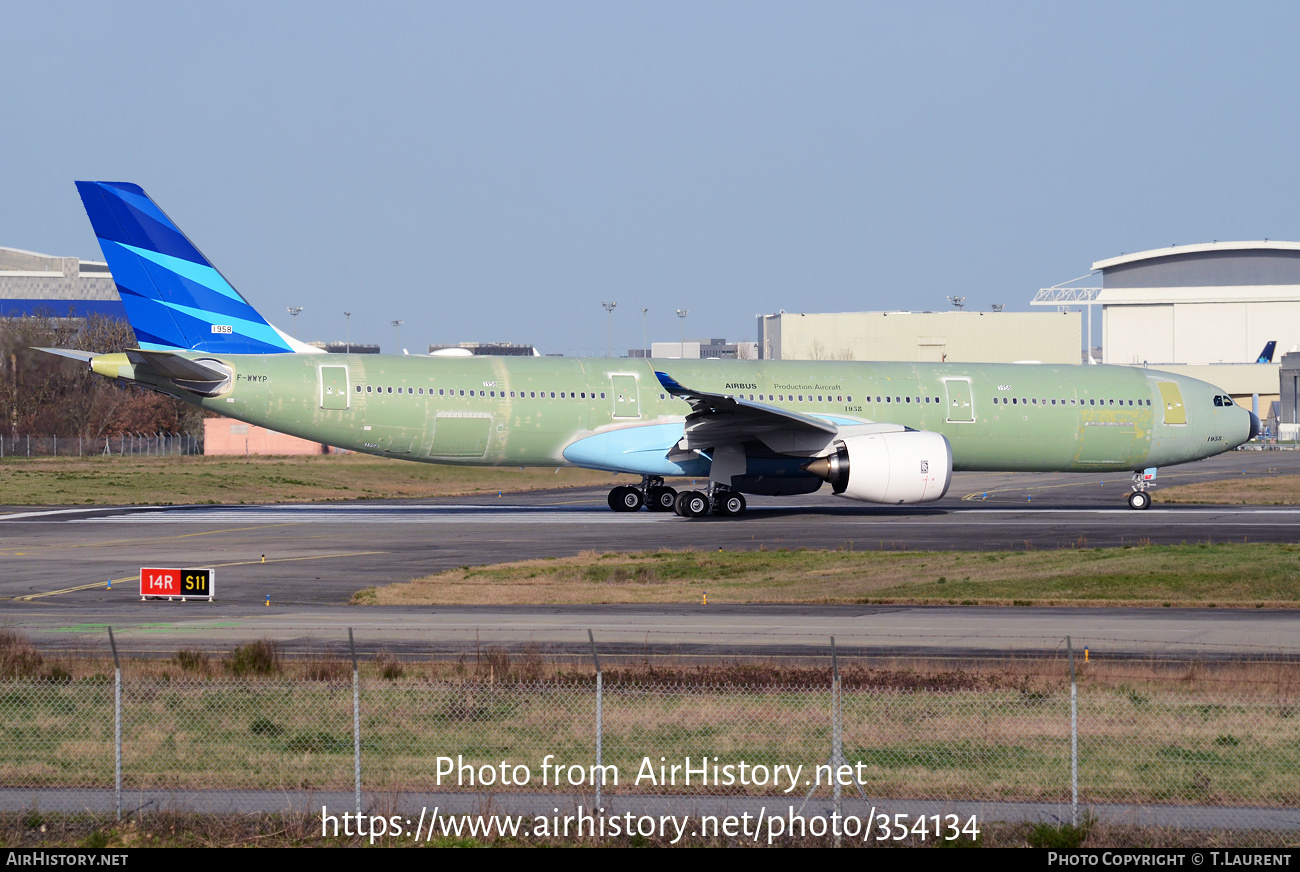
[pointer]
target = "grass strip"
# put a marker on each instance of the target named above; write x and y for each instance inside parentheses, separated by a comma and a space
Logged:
(47, 481)
(1279, 490)
(1265, 575)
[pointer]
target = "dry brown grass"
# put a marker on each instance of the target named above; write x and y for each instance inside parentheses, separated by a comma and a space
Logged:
(185, 480)
(1276, 490)
(1023, 674)
(34, 829)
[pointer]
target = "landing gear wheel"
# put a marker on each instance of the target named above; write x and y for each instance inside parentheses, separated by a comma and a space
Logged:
(730, 505)
(1139, 500)
(625, 499)
(661, 499)
(692, 504)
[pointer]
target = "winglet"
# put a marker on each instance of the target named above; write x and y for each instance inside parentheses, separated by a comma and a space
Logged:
(670, 384)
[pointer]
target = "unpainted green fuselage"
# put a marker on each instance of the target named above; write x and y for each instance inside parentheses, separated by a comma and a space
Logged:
(515, 411)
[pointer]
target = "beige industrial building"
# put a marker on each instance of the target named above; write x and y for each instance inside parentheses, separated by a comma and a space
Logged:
(957, 336)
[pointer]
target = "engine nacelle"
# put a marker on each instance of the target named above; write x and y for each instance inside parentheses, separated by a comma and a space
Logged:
(913, 466)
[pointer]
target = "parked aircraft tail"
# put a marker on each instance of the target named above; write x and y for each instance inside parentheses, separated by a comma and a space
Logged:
(174, 298)
(1266, 356)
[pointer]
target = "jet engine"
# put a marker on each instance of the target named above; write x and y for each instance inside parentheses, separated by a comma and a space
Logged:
(911, 466)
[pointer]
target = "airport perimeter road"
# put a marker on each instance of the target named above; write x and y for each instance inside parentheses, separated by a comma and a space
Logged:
(321, 554)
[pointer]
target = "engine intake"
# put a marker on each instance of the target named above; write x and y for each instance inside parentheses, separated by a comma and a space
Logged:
(909, 467)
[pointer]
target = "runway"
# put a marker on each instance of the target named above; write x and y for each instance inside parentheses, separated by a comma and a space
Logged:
(308, 559)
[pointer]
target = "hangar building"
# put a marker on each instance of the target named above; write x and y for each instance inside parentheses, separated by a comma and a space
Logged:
(40, 284)
(1200, 304)
(1205, 311)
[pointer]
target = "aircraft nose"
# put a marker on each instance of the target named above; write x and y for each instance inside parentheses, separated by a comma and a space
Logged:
(1255, 426)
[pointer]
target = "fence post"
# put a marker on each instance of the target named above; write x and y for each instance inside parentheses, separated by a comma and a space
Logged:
(600, 725)
(117, 725)
(356, 721)
(56, 445)
(1074, 739)
(837, 737)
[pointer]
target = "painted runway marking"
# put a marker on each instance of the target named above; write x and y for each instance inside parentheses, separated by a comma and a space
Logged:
(466, 514)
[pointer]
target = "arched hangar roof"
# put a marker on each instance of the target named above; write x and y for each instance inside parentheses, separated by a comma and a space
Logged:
(1211, 264)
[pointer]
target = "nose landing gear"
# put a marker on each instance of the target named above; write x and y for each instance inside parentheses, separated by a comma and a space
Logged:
(1140, 499)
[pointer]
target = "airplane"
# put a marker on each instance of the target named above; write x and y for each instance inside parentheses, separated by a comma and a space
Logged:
(1266, 356)
(885, 433)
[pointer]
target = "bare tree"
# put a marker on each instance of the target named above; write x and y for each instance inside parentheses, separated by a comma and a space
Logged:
(44, 395)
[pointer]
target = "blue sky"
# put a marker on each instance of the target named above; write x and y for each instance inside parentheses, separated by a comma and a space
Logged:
(494, 171)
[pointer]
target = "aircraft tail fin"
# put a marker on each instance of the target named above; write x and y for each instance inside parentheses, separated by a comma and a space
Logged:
(1266, 356)
(174, 298)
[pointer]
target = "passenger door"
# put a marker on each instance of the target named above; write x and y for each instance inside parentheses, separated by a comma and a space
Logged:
(960, 409)
(625, 396)
(334, 387)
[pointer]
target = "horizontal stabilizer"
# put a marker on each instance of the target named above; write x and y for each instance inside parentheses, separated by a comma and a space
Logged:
(174, 366)
(84, 356)
(204, 377)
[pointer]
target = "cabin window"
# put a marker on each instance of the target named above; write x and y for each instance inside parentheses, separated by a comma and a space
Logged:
(849, 400)
(368, 388)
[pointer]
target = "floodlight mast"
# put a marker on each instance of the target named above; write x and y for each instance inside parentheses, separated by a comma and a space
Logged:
(609, 307)
(681, 314)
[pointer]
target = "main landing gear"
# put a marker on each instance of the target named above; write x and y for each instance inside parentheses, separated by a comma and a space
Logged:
(651, 493)
(719, 499)
(1140, 499)
(655, 496)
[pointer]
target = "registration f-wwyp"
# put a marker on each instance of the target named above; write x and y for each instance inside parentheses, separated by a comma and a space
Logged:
(888, 433)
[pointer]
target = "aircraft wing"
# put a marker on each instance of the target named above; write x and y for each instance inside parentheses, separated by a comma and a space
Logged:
(718, 419)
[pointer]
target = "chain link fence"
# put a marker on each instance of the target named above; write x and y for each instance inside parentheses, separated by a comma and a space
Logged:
(127, 445)
(1198, 760)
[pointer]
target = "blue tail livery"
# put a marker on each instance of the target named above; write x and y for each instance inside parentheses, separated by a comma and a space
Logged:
(174, 298)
